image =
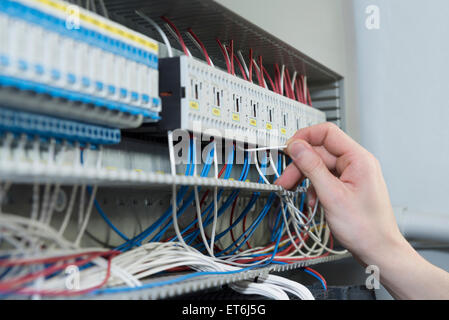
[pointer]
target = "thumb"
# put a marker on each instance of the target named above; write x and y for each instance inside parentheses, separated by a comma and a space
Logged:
(310, 164)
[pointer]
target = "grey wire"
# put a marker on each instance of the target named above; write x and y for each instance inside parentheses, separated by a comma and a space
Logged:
(159, 30)
(103, 8)
(93, 6)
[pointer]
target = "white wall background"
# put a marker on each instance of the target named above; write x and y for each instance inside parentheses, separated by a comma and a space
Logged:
(396, 78)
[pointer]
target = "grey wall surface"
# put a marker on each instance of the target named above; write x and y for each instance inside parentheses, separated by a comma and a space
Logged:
(404, 113)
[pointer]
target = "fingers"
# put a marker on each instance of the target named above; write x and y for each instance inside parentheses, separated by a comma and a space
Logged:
(311, 196)
(329, 159)
(308, 162)
(328, 135)
(292, 176)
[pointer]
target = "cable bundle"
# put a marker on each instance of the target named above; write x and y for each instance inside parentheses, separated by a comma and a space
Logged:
(38, 254)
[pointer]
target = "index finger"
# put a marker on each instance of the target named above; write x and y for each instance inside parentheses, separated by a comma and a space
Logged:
(328, 135)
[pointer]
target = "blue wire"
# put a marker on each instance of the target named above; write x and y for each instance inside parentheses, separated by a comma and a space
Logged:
(223, 209)
(250, 231)
(191, 275)
(186, 277)
(98, 207)
(316, 276)
(278, 217)
(139, 238)
(185, 205)
(7, 270)
(168, 282)
(191, 237)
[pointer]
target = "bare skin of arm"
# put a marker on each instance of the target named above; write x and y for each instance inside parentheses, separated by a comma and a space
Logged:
(349, 184)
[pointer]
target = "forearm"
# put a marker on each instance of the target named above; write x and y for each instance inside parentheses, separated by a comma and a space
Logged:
(407, 275)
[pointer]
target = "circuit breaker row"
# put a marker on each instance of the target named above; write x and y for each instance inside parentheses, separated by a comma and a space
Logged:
(198, 97)
(54, 48)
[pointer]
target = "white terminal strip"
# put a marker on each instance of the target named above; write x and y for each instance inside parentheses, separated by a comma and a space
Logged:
(235, 108)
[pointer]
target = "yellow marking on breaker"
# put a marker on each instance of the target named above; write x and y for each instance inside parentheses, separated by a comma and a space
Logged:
(235, 117)
(253, 122)
(216, 112)
(269, 126)
(194, 105)
(283, 131)
(105, 26)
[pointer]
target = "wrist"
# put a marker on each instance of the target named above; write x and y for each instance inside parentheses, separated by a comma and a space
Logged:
(386, 250)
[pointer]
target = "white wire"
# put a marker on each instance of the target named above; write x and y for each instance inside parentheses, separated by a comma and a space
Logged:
(173, 172)
(214, 223)
(159, 30)
(260, 72)
(256, 161)
(242, 60)
(69, 210)
(198, 207)
(174, 35)
(293, 80)
(198, 47)
(273, 166)
(86, 219)
(282, 79)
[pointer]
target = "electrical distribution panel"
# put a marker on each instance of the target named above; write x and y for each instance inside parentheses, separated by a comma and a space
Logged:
(198, 97)
(71, 80)
(99, 71)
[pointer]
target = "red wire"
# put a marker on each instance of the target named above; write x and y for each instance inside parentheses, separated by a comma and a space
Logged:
(289, 85)
(269, 79)
(201, 45)
(201, 204)
(301, 91)
(297, 89)
(223, 50)
(231, 46)
(261, 72)
(318, 275)
(8, 285)
(289, 90)
(310, 98)
(287, 251)
(251, 65)
(9, 263)
(277, 78)
(244, 230)
(70, 292)
(242, 71)
(241, 68)
(181, 41)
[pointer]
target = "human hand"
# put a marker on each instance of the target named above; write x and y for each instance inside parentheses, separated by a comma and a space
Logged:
(349, 184)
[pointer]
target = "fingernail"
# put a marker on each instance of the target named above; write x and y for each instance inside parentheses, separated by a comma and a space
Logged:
(295, 149)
